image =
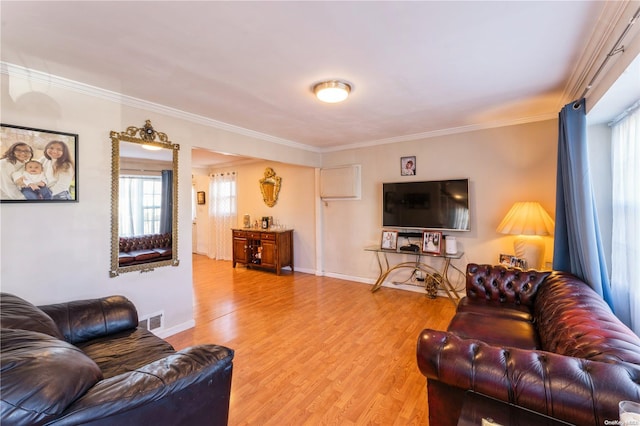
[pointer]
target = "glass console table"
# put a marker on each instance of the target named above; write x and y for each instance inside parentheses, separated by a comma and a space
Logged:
(440, 278)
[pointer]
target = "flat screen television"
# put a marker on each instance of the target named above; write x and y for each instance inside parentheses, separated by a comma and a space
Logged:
(436, 204)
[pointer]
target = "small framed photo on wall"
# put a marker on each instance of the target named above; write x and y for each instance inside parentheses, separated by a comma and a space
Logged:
(432, 242)
(408, 166)
(201, 197)
(389, 240)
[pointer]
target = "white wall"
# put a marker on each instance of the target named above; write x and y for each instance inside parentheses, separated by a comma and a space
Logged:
(504, 165)
(58, 252)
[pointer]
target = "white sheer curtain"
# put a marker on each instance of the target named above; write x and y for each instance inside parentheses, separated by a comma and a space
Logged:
(130, 216)
(222, 214)
(625, 254)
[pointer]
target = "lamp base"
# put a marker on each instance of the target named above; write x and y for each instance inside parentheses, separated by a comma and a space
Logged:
(531, 248)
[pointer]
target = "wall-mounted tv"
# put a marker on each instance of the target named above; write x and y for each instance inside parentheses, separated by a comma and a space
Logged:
(436, 204)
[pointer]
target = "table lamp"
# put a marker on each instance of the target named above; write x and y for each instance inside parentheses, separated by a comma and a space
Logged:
(529, 221)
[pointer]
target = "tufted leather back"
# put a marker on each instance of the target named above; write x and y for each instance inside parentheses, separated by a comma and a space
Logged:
(501, 284)
(574, 320)
(144, 242)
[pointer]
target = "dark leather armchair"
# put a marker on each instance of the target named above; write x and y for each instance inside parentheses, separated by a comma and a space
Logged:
(88, 362)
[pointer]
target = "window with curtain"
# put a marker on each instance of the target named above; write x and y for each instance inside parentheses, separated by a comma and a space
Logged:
(625, 250)
(222, 214)
(140, 205)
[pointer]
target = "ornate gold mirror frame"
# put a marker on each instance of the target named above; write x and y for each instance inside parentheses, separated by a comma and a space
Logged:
(270, 187)
(123, 145)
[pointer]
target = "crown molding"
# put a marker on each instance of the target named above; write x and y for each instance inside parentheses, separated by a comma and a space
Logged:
(108, 95)
(111, 96)
(445, 132)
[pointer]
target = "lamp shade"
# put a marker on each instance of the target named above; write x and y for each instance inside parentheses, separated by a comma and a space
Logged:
(527, 218)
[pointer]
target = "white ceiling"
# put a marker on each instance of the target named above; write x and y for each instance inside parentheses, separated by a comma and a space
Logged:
(418, 68)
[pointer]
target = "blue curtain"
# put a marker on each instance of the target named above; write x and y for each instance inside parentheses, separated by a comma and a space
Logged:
(166, 213)
(577, 243)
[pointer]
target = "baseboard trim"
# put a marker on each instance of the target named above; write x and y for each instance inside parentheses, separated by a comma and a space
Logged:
(175, 329)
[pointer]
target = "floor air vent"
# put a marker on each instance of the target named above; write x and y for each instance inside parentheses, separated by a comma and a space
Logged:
(152, 322)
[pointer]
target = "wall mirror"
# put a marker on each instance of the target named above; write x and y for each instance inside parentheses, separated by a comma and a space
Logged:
(144, 200)
(270, 187)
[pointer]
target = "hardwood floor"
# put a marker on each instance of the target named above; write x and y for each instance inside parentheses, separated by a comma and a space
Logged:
(314, 350)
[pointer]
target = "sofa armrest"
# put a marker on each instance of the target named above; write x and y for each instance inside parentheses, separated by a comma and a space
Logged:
(192, 386)
(83, 320)
(568, 388)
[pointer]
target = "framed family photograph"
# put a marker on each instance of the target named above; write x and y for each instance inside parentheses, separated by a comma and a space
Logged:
(511, 260)
(408, 166)
(37, 165)
(431, 242)
(389, 240)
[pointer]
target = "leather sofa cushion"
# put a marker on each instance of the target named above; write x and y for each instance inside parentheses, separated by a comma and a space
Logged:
(41, 376)
(494, 308)
(495, 330)
(126, 351)
(17, 313)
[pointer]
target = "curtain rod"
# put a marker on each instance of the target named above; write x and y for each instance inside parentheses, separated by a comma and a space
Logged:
(624, 114)
(617, 48)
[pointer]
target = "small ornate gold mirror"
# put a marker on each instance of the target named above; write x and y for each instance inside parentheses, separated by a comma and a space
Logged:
(144, 200)
(270, 187)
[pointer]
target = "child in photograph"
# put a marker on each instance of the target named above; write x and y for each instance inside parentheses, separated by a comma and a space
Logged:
(32, 181)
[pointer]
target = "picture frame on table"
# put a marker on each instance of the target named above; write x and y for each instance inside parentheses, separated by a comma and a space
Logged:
(519, 262)
(432, 242)
(511, 260)
(37, 165)
(389, 240)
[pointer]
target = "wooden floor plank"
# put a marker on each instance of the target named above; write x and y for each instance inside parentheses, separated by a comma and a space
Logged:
(314, 350)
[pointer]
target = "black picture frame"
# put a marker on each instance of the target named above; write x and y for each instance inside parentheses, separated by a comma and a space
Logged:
(47, 147)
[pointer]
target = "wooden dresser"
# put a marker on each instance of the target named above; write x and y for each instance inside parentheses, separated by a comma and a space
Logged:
(263, 248)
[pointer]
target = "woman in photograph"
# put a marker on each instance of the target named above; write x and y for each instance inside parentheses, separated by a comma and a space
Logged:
(13, 160)
(58, 169)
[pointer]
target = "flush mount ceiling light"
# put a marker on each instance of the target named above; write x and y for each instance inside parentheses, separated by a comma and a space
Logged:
(332, 91)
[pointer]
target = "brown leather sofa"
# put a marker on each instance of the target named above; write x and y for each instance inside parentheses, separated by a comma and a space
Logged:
(144, 248)
(541, 340)
(87, 362)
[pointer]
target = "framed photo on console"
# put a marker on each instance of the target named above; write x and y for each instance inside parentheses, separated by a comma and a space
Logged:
(37, 165)
(432, 242)
(389, 240)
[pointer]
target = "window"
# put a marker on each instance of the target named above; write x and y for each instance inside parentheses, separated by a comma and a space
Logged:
(140, 205)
